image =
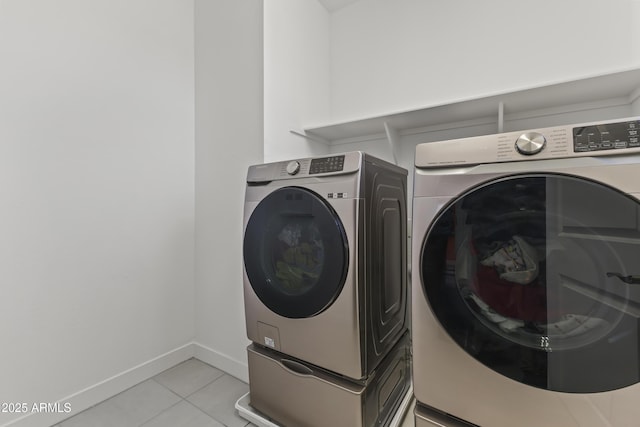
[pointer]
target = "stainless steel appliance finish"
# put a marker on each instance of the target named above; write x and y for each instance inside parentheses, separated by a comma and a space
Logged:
(324, 260)
(428, 417)
(296, 394)
(525, 303)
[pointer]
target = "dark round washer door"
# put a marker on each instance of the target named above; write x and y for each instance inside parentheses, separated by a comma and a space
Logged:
(296, 253)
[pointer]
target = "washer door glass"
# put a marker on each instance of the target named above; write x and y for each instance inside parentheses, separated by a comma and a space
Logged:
(538, 278)
(295, 252)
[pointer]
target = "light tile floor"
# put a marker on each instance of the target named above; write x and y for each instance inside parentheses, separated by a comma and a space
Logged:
(191, 394)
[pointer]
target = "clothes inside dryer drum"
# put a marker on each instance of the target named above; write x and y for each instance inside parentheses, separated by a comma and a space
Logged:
(298, 256)
(522, 282)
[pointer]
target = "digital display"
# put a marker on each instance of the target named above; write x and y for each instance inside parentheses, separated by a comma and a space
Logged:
(610, 136)
(326, 164)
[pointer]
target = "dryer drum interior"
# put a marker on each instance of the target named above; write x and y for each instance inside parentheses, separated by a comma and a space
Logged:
(533, 276)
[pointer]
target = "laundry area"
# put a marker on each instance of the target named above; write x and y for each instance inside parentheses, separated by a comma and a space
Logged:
(320, 213)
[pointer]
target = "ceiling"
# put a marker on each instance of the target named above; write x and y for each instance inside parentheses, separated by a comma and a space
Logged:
(333, 5)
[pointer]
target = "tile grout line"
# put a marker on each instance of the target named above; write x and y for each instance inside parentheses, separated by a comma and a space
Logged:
(184, 399)
(160, 413)
(206, 385)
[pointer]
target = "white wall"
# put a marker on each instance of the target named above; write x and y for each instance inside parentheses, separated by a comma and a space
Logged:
(229, 138)
(297, 89)
(96, 191)
(396, 55)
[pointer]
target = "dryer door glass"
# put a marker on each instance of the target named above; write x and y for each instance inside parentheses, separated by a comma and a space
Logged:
(538, 278)
(295, 252)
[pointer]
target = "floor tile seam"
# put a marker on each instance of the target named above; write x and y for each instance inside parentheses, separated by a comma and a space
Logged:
(222, 373)
(160, 413)
(127, 414)
(167, 388)
(211, 415)
(205, 386)
(176, 404)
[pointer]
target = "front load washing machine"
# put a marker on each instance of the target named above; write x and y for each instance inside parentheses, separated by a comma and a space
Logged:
(526, 277)
(325, 252)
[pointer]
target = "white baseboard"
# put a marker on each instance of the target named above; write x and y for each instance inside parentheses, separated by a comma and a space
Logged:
(233, 367)
(103, 390)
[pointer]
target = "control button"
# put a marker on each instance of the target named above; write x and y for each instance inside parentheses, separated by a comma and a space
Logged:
(293, 167)
(530, 143)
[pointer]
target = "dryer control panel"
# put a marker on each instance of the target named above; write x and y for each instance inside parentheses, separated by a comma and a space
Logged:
(607, 136)
(583, 140)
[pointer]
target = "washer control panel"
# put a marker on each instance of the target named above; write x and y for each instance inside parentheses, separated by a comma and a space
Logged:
(315, 167)
(607, 136)
(326, 164)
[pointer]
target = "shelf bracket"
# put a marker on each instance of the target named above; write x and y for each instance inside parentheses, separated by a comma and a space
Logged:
(633, 96)
(501, 117)
(634, 100)
(392, 138)
(310, 137)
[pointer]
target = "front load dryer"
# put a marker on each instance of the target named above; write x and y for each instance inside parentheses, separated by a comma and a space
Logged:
(526, 277)
(325, 247)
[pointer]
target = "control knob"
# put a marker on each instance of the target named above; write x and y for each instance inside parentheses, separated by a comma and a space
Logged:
(293, 167)
(530, 143)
